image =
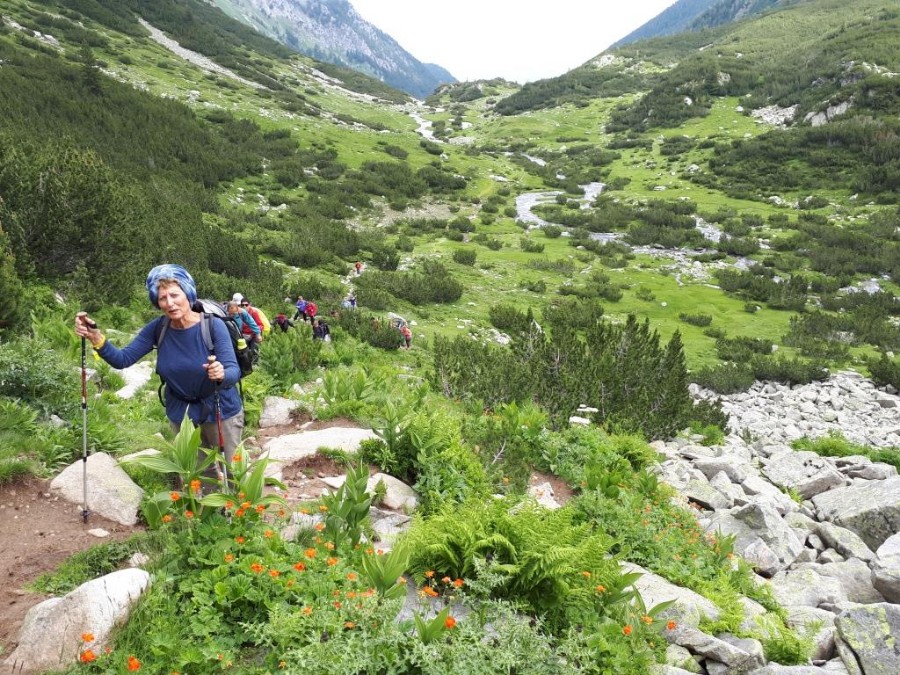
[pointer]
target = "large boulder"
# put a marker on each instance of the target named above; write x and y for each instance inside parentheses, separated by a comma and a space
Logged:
(51, 635)
(871, 632)
(871, 510)
(806, 472)
(110, 491)
(886, 569)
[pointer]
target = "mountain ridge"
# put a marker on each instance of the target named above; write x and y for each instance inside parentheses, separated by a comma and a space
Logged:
(332, 31)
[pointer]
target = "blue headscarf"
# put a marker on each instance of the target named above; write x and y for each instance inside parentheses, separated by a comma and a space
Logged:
(176, 272)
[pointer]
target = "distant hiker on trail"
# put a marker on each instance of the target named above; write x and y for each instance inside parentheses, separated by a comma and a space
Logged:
(352, 300)
(191, 375)
(311, 310)
(407, 335)
(283, 322)
(249, 328)
(321, 331)
(301, 309)
(358, 266)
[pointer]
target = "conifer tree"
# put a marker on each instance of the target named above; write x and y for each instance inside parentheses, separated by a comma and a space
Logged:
(12, 311)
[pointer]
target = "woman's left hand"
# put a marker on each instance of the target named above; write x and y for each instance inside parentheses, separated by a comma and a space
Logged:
(214, 370)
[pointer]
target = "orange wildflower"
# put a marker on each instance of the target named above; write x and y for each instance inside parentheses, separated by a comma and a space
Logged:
(458, 583)
(239, 539)
(167, 518)
(337, 605)
(240, 512)
(306, 611)
(87, 637)
(260, 508)
(351, 576)
(449, 623)
(429, 574)
(332, 562)
(349, 625)
(323, 508)
(229, 505)
(446, 580)
(256, 567)
(268, 534)
(188, 514)
(370, 551)
(237, 457)
(274, 574)
(671, 625)
(600, 588)
(310, 553)
(246, 505)
(229, 557)
(647, 619)
(174, 496)
(318, 527)
(87, 656)
(195, 485)
(430, 592)
(300, 567)
(133, 663)
(626, 630)
(586, 574)
(329, 545)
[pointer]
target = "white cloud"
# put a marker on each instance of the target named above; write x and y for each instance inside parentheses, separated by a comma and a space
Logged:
(520, 40)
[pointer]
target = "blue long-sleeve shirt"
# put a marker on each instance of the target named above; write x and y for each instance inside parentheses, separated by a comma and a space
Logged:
(179, 361)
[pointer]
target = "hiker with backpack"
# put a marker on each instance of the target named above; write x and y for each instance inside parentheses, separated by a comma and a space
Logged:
(311, 310)
(301, 309)
(259, 316)
(283, 322)
(199, 381)
(247, 324)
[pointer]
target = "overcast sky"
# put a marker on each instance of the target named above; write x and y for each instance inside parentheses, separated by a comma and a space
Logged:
(520, 40)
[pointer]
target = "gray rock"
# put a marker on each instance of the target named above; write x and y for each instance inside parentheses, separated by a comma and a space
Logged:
(844, 541)
(110, 491)
(886, 569)
(710, 467)
(758, 521)
(689, 607)
(738, 660)
(871, 631)
(761, 558)
(805, 588)
(854, 577)
(806, 472)
(872, 511)
(803, 619)
(704, 495)
(276, 411)
(50, 638)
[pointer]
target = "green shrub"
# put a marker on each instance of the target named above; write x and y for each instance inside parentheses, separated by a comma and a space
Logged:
(288, 357)
(696, 319)
(885, 371)
(43, 378)
(510, 319)
(465, 256)
(552, 231)
(727, 378)
(530, 246)
(644, 293)
(370, 329)
(787, 370)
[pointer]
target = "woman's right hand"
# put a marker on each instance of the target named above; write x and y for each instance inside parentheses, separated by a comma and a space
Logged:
(86, 327)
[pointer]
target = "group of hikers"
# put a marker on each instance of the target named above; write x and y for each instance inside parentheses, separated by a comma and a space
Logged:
(198, 359)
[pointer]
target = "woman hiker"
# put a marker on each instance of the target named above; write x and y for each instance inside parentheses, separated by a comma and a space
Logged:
(192, 377)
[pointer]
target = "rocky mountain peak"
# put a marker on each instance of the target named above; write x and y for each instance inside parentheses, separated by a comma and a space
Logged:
(332, 31)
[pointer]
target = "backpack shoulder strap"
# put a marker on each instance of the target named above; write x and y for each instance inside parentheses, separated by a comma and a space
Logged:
(162, 325)
(206, 332)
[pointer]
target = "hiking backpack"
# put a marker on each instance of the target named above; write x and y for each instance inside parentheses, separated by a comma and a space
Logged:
(210, 310)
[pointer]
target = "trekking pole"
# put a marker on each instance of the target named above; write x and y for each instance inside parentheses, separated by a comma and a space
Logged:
(223, 471)
(85, 511)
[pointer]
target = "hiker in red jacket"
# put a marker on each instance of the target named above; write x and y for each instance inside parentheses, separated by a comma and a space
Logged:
(311, 310)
